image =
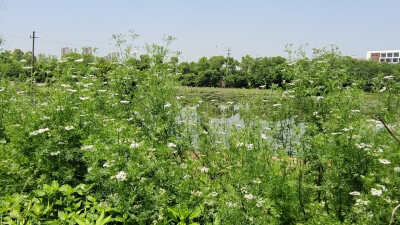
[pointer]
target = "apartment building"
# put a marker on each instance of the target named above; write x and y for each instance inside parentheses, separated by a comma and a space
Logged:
(389, 56)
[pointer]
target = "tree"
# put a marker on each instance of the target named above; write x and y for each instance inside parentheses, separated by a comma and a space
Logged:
(247, 64)
(209, 78)
(1, 42)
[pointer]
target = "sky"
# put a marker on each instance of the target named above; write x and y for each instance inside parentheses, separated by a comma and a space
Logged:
(259, 28)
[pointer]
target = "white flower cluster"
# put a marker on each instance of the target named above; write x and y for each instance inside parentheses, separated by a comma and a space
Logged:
(121, 176)
(171, 145)
(384, 161)
(36, 132)
(376, 192)
(69, 127)
(134, 144)
(355, 193)
(204, 169)
(55, 153)
(361, 202)
(264, 136)
(86, 147)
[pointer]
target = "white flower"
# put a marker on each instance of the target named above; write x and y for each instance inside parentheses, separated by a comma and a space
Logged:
(263, 136)
(65, 85)
(355, 110)
(106, 165)
(257, 181)
(361, 202)
(383, 89)
(249, 146)
(134, 145)
(248, 196)
(79, 60)
(397, 169)
(204, 169)
(355, 193)
(171, 145)
(376, 192)
(347, 129)
(55, 153)
(231, 204)
(167, 105)
(276, 105)
(384, 161)
(36, 132)
(124, 101)
(213, 194)
(69, 127)
(121, 176)
(86, 147)
(209, 202)
(260, 203)
(240, 144)
(197, 193)
(83, 98)
(388, 77)
(72, 90)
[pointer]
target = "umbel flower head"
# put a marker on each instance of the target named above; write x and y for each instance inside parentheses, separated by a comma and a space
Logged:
(121, 176)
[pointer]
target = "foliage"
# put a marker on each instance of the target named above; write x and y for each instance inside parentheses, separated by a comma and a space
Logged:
(315, 148)
(54, 204)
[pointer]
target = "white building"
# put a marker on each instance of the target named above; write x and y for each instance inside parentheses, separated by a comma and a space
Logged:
(389, 56)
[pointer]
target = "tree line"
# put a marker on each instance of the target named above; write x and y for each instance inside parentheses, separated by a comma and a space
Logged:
(215, 71)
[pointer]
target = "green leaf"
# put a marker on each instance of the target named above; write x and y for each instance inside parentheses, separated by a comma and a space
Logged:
(54, 186)
(80, 222)
(171, 213)
(102, 220)
(62, 216)
(196, 213)
(184, 214)
(90, 198)
(67, 189)
(37, 208)
(40, 193)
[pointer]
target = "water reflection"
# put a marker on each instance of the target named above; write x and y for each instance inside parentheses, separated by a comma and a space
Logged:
(224, 120)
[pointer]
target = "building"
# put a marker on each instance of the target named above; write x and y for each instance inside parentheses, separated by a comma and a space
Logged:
(389, 56)
(112, 55)
(87, 50)
(64, 51)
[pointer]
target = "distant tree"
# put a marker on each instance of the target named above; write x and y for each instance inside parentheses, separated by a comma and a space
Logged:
(267, 71)
(202, 65)
(17, 54)
(210, 78)
(247, 64)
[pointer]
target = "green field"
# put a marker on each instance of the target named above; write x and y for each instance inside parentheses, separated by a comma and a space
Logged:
(87, 144)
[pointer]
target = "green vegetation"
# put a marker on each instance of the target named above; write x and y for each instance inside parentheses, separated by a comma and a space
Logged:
(86, 141)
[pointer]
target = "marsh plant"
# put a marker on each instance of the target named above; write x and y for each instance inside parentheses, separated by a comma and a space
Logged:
(116, 142)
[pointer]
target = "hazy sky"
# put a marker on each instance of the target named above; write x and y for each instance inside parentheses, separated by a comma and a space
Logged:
(203, 27)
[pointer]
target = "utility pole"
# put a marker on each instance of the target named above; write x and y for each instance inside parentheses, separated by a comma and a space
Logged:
(227, 61)
(227, 68)
(33, 53)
